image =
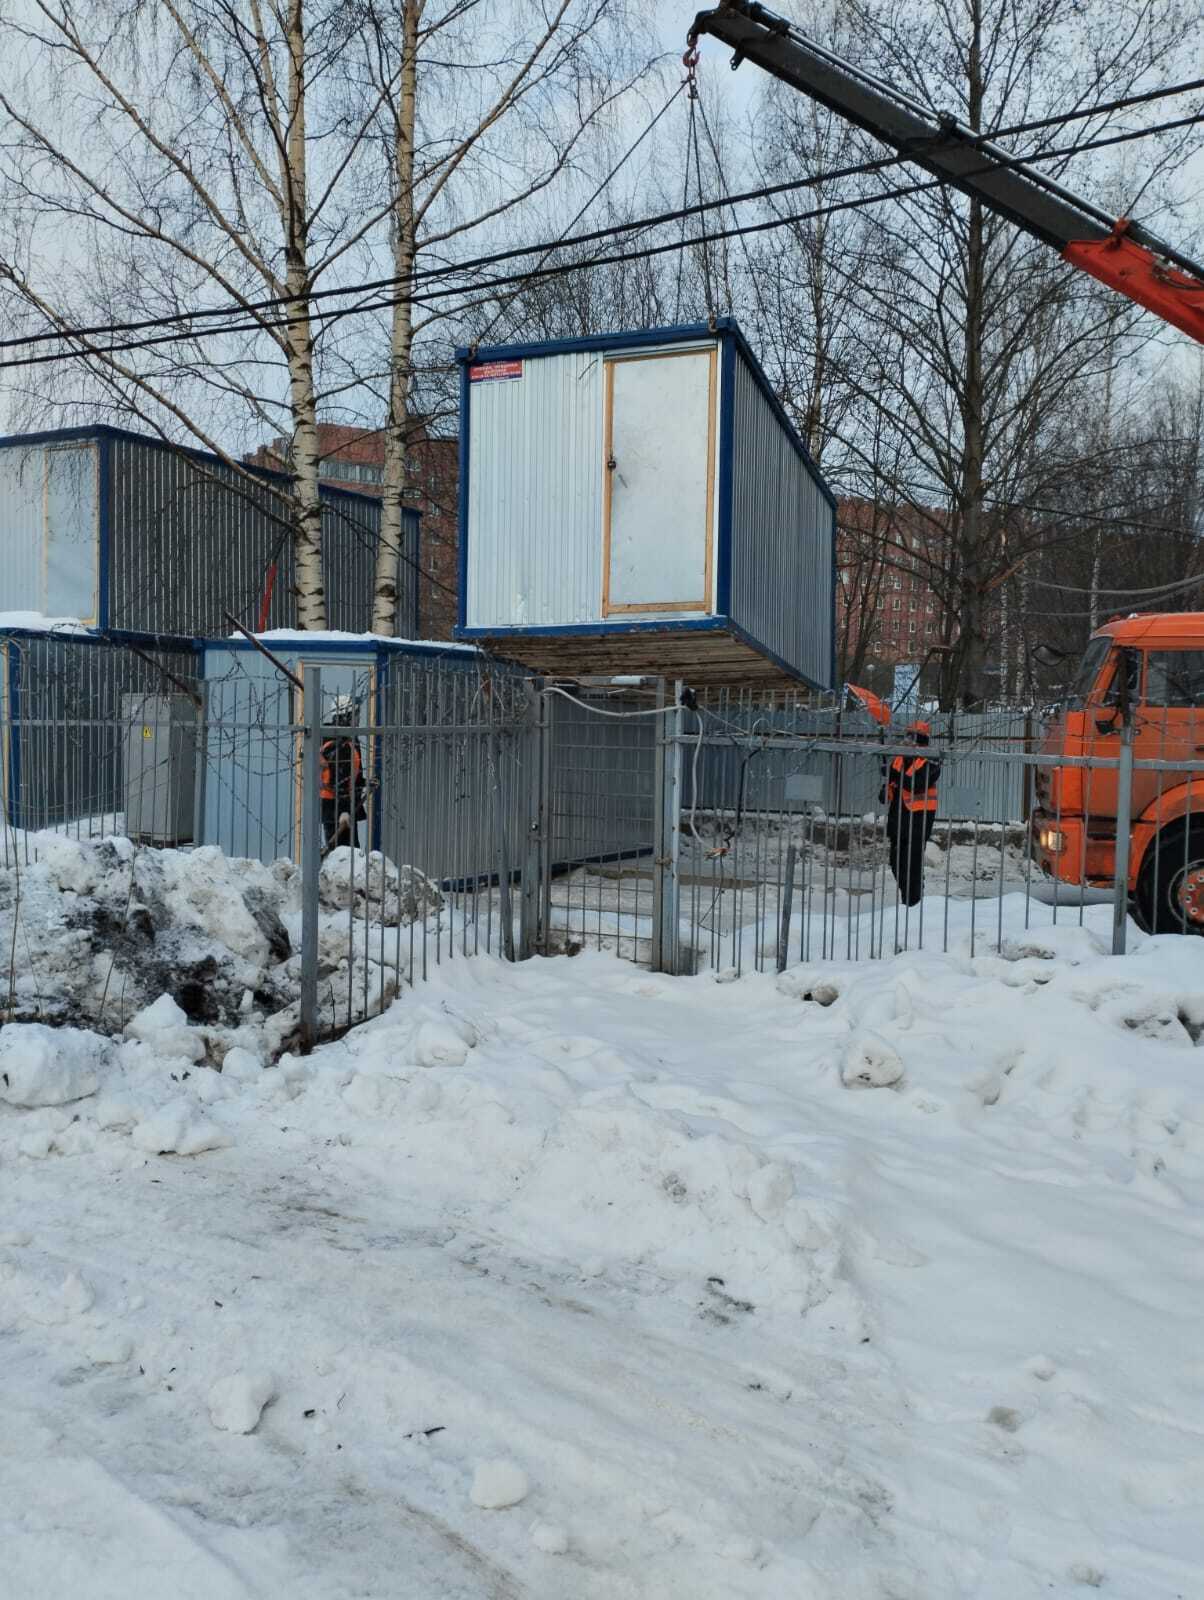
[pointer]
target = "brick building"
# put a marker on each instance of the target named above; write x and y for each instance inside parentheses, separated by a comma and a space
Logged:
(883, 587)
(354, 458)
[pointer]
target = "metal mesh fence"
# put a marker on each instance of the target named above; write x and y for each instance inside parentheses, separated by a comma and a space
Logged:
(97, 742)
(737, 831)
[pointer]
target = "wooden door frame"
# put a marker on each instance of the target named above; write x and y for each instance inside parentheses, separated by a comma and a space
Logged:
(706, 604)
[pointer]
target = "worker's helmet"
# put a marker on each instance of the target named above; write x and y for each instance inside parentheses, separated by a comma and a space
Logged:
(921, 732)
(342, 710)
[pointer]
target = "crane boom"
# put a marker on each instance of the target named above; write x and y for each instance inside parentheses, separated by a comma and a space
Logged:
(1116, 251)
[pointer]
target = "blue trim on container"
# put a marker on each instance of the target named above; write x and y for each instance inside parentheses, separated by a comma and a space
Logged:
(462, 503)
(104, 532)
(103, 430)
(106, 636)
(727, 452)
(636, 339)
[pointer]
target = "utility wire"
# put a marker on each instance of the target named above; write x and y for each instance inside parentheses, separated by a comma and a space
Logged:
(605, 184)
(564, 269)
(1159, 590)
(253, 307)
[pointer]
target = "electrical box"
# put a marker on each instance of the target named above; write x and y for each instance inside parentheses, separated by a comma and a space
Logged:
(160, 756)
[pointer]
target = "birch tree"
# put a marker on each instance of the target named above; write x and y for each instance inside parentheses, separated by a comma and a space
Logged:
(161, 156)
(484, 106)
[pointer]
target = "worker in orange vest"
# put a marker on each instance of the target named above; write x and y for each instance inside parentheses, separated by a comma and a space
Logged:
(910, 794)
(341, 784)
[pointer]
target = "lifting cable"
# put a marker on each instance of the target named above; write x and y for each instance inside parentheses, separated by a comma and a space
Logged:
(690, 61)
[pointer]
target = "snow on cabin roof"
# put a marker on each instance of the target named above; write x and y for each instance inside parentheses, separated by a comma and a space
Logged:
(311, 636)
(35, 622)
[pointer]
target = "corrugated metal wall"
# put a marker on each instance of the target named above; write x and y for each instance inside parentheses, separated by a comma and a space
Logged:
(535, 512)
(972, 788)
(65, 730)
(191, 539)
(782, 539)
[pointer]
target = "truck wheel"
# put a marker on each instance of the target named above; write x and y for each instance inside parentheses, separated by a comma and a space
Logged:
(1170, 890)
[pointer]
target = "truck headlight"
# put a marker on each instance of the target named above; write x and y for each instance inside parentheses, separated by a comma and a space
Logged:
(1052, 839)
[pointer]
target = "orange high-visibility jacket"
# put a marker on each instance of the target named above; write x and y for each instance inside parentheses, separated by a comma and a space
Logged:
(337, 772)
(916, 795)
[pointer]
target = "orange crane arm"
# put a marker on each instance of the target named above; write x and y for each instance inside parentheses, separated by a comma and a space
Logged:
(1116, 251)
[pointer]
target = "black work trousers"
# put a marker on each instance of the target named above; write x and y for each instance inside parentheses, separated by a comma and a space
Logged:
(908, 833)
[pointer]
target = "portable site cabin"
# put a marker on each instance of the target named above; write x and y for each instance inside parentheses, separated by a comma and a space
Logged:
(451, 763)
(639, 502)
(124, 531)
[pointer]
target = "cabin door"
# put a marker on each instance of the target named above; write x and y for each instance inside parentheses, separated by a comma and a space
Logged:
(659, 482)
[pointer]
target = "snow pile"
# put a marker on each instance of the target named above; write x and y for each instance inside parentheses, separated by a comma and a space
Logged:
(42, 1066)
(236, 1403)
(368, 882)
(498, 1484)
(193, 952)
(878, 1280)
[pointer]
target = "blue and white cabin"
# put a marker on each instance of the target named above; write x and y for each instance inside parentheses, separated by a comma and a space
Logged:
(639, 502)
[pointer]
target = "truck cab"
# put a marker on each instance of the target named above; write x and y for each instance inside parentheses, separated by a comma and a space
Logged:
(1149, 669)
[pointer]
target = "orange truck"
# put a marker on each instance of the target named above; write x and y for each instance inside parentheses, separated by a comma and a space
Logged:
(1140, 684)
(1138, 702)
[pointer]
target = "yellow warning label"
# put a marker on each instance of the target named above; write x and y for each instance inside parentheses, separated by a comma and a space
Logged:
(146, 733)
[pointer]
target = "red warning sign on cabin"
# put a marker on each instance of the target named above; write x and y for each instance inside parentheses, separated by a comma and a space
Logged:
(495, 371)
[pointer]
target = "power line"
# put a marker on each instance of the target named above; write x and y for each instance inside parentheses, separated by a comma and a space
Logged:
(1126, 594)
(866, 168)
(561, 270)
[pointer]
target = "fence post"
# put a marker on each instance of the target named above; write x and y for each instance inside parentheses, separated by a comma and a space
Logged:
(531, 931)
(1124, 823)
(666, 833)
(311, 855)
(497, 806)
(786, 907)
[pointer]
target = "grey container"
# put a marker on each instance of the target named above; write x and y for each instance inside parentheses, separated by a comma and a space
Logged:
(123, 531)
(160, 767)
(640, 503)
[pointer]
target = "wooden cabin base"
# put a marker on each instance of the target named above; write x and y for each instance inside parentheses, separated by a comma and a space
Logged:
(717, 657)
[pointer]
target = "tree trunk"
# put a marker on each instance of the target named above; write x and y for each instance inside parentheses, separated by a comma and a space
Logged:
(307, 541)
(391, 550)
(972, 639)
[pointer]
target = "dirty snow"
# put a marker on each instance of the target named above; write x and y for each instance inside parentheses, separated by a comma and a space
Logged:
(874, 1280)
(194, 953)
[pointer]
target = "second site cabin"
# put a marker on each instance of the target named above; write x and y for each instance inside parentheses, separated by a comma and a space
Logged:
(640, 503)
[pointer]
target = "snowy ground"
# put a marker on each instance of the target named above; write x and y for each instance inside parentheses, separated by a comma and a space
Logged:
(879, 1282)
(844, 900)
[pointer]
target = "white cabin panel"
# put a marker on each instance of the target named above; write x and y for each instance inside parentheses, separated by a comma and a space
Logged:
(72, 532)
(535, 475)
(659, 494)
